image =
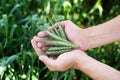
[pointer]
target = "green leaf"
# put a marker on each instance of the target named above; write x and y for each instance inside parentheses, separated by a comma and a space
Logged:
(55, 75)
(1, 49)
(5, 22)
(12, 31)
(11, 59)
(14, 8)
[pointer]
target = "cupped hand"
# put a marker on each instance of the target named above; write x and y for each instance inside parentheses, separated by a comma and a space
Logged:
(62, 62)
(75, 34)
(68, 59)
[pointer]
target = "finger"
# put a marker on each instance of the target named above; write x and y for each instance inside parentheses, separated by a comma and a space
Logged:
(40, 45)
(56, 25)
(63, 23)
(44, 59)
(42, 34)
(44, 48)
(36, 48)
(38, 39)
(55, 64)
(48, 61)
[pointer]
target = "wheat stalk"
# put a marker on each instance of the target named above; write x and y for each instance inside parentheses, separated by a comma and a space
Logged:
(58, 48)
(56, 52)
(54, 36)
(58, 43)
(63, 35)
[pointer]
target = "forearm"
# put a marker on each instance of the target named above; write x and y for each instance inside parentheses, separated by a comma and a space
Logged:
(104, 33)
(97, 70)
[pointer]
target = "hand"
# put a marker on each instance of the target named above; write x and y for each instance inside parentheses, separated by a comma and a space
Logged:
(62, 63)
(59, 63)
(73, 33)
(76, 59)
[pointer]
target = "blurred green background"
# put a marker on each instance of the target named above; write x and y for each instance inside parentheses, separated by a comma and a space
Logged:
(17, 57)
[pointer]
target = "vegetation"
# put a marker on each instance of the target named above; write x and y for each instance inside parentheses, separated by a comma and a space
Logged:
(18, 60)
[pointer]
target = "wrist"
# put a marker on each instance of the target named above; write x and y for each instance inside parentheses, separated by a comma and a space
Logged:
(87, 38)
(103, 33)
(93, 68)
(86, 64)
(82, 39)
(94, 36)
(80, 60)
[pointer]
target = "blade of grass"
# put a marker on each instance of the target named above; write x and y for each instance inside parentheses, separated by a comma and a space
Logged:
(14, 8)
(55, 75)
(12, 31)
(5, 21)
(1, 49)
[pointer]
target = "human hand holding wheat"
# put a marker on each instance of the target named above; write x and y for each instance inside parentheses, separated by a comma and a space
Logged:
(60, 63)
(64, 61)
(73, 34)
(75, 58)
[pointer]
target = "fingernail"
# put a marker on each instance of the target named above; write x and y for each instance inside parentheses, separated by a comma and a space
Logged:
(41, 58)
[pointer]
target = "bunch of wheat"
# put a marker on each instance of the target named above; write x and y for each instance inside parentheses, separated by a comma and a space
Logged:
(58, 43)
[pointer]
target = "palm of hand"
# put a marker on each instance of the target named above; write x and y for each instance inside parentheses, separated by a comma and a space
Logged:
(62, 62)
(66, 60)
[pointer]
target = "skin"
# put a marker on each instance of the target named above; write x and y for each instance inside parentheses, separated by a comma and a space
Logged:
(85, 38)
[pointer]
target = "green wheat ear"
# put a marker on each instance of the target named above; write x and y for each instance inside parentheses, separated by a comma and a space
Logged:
(59, 43)
(62, 33)
(52, 53)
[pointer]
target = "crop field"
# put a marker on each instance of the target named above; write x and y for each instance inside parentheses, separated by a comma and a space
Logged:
(18, 60)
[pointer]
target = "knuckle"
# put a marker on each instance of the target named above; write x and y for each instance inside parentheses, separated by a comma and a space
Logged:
(68, 21)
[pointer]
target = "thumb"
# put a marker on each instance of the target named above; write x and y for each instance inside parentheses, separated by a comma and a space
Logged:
(47, 61)
(42, 57)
